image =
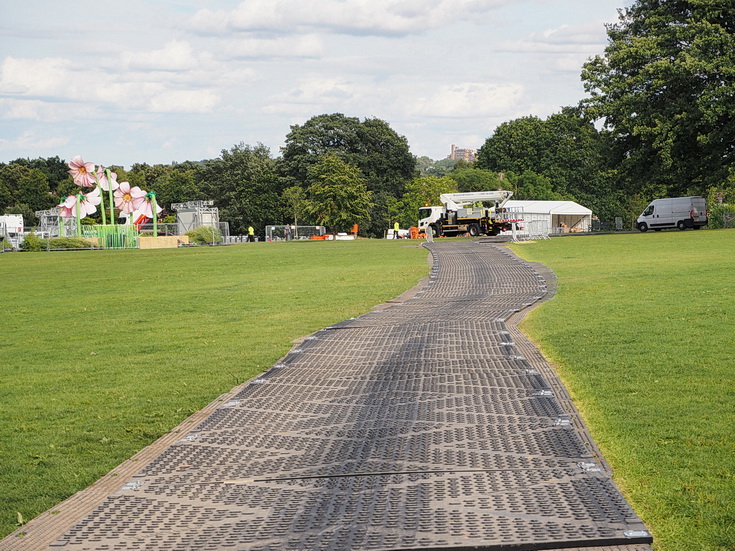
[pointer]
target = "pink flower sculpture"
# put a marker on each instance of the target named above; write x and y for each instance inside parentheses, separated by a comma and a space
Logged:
(87, 204)
(83, 173)
(102, 177)
(147, 207)
(129, 199)
(68, 207)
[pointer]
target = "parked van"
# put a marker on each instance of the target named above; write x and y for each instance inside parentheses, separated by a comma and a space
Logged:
(677, 212)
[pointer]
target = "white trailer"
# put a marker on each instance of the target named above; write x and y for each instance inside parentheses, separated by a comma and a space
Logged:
(674, 212)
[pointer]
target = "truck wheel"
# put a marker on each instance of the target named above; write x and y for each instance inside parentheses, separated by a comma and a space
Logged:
(438, 230)
(474, 230)
(681, 225)
(643, 227)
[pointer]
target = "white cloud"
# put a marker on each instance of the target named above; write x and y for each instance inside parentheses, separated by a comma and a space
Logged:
(291, 46)
(31, 140)
(362, 17)
(46, 111)
(60, 80)
(582, 39)
(315, 93)
(176, 55)
(469, 100)
(184, 101)
(35, 77)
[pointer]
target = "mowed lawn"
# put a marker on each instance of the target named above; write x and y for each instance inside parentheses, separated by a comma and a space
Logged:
(102, 352)
(643, 334)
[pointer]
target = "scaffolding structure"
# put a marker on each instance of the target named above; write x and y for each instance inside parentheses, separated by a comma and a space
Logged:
(51, 225)
(193, 214)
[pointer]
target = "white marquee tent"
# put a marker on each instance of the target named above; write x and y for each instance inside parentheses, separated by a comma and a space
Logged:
(552, 217)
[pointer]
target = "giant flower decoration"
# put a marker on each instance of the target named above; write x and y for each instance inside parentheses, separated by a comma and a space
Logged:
(129, 199)
(83, 173)
(87, 204)
(147, 207)
(105, 184)
(68, 207)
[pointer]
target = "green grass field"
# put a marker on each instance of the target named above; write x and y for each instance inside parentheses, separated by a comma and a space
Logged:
(643, 334)
(104, 351)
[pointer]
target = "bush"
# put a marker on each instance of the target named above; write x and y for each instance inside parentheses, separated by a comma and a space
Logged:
(34, 243)
(70, 243)
(204, 235)
(717, 214)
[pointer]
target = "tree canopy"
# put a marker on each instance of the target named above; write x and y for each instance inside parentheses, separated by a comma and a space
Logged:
(665, 90)
(372, 145)
(565, 149)
(244, 186)
(337, 194)
(382, 156)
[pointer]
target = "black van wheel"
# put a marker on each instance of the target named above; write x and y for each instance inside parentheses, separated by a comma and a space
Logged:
(681, 225)
(643, 227)
(474, 230)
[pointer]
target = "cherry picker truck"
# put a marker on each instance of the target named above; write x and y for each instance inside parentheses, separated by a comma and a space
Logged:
(458, 214)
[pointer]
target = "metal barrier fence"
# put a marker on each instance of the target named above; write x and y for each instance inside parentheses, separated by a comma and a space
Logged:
(278, 233)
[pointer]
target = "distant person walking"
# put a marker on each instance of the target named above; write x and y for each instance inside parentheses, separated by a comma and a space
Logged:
(396, 227)
(251, 234)
(287, 232)
(429, 234)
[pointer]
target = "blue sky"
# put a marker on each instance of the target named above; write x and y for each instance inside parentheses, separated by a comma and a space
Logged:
(174, 80)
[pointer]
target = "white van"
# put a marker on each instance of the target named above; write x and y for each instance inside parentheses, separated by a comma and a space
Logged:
(677, 212)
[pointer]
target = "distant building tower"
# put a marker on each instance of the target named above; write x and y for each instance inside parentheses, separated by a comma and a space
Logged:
(462, 154)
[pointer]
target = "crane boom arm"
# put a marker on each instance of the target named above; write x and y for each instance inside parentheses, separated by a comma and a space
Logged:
(455, 201)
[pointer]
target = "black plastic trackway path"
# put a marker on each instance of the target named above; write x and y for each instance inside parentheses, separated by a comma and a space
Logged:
(424, 425)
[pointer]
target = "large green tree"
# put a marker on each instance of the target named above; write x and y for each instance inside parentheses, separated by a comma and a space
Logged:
(566, 149)
(243, 184)
(337, 194)
(371, 145)
(518, 145)
(665, 90)
(20, 184)
(55, 169)
(471, 178)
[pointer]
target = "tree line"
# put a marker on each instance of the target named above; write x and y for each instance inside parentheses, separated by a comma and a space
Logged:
(659, 121)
